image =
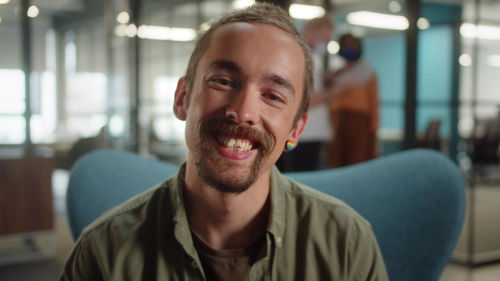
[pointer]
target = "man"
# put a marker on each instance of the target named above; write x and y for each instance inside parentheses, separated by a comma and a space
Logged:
(353, 105)
(229, 214)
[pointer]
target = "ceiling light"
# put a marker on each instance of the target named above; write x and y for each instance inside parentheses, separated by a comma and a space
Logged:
(470, 30)
(123, 17)
(4, 2)
(423, 23)
(182, 34)
(241, 4)
(155, 32)
(166, 33)
(33, 11)
(465, 60)
(494, 60)
(131, 30)
(306, 12)
(333, 47)
(204, 26)
(394, 6)
(377, 20)
(120, 30)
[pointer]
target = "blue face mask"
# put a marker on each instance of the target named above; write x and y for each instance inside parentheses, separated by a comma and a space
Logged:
(349, 54)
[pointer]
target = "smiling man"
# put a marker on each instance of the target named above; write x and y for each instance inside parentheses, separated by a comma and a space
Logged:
(229, 214)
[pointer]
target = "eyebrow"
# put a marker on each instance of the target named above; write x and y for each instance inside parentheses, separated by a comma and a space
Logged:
(280, 81)
(226, 65)
(233, 67)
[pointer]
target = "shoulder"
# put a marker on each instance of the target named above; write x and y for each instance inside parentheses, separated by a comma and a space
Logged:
(306, 201)
(117, 231)
(325, 230)
(312, 209)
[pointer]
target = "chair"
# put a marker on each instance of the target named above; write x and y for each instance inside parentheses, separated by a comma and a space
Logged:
(431, 138)
(103, 179)
(486, 143)
(414, 200)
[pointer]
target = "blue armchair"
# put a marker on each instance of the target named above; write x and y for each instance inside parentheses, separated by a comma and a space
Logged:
(414, 200)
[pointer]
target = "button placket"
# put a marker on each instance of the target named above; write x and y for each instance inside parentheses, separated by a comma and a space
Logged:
(279, 241)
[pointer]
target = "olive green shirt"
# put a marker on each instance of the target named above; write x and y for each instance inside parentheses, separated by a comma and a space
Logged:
(310, 236)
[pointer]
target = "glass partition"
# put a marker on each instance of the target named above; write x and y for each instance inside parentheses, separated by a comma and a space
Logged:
(479, 128)
(12, 105)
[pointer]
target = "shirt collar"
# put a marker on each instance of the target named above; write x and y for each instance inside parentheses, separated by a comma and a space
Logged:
(276, 223)
(180, 215)
(181, 230)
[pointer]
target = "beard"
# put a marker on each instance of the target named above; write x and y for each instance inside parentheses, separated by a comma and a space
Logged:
(221, 173)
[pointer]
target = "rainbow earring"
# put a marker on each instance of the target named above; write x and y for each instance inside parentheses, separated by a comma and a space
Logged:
(290, 145)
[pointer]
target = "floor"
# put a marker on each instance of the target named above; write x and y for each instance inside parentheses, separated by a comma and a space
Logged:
(487, 236)
(486, 194)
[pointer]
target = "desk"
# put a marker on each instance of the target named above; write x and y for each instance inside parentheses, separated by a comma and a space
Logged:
(25, 194)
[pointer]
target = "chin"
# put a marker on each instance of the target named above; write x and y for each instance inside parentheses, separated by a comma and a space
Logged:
(226, 176)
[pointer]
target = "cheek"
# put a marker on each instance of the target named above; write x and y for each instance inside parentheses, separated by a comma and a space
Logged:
(193, 123)
(189, 133)
(198, 110)
(280, 128)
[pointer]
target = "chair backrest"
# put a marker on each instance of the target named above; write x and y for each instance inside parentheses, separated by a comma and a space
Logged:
(103, 179)
(414, 200)
(431, 137)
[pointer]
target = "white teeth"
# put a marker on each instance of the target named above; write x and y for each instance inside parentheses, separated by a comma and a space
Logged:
(230, 143)
(247, 146)
(237, 145)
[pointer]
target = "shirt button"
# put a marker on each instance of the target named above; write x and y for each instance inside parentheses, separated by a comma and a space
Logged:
(278, 241)
(194, 264)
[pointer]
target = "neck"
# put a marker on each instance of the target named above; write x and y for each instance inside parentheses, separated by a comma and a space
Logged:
(351, 62)
(224, 220)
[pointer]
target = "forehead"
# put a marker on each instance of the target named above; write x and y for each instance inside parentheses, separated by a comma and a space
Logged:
(241, 30)
(257, 47)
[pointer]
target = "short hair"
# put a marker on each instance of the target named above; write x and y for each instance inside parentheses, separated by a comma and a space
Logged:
(265, 13)
(349, 38)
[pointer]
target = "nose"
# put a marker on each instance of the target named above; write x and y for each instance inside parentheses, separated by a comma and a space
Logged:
(242, 108)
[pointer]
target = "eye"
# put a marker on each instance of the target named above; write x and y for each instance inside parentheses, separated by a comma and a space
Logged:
(223, 82)
(275, 98)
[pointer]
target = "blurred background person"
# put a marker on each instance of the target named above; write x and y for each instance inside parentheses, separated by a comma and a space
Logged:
(310, 154)
(352, 98)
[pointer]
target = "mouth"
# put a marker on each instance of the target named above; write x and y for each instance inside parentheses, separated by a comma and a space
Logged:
(235, 143)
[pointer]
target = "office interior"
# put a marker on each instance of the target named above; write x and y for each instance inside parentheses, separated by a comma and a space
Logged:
(102, 74)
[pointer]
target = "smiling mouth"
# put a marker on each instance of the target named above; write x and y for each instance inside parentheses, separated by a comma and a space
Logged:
(236, 144)
(236, 140)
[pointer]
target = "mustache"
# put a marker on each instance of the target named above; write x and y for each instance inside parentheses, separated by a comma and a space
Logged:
(226, 126)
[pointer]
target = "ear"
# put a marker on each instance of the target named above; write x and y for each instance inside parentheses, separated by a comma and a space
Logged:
(297, 129)
(180, 102)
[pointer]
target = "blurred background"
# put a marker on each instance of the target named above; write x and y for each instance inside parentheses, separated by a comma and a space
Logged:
(81, 75)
